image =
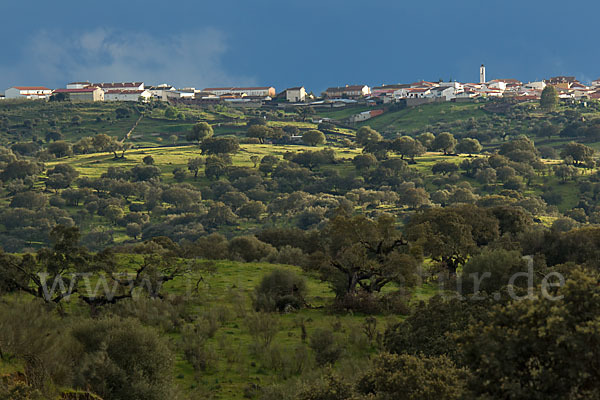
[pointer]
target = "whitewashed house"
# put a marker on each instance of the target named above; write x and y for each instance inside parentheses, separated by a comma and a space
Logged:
(413, 93)
(295, 94)
(467, 94)
(28, 92)
(387, 90)
(259, 91)
(456, 85)
(127, 95)
(538, 85)
(161, 91)
(447, 93)
(89, 93)
(496, 84)
(348, 91)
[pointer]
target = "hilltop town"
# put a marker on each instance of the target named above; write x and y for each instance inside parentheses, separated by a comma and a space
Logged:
(249, 243)
(410, 94)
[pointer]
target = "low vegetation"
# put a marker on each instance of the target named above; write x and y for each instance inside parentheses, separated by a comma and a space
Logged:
(443, 252)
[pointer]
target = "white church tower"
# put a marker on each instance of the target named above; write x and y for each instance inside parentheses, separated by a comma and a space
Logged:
(482, 74)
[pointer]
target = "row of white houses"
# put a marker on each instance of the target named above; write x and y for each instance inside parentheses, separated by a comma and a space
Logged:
(137, 91)
(83, 91)
(568, 87)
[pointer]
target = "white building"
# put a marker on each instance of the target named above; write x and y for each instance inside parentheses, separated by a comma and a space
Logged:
(127, 95)
(161, 91)
(482, 74)
(467, 94)
(120, 86)
(89, 93)
(495, 84)
(539, 85)
(348, 91)
(28, 92)
(413, 93)
(456, 85)
(295, 94)
(260, 91)
(78, 85)
(447, 93)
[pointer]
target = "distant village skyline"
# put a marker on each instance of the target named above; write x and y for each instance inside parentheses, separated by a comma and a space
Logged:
(477, 78)
(312, 43)
(411, 94)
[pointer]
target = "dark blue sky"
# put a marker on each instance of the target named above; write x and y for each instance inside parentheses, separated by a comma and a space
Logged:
(315, 43)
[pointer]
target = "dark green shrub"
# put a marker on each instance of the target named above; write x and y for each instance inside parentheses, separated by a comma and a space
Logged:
(279, 291)
(323, 343)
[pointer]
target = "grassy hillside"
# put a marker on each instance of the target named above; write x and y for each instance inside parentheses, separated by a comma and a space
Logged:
(219, 298)
(415, 118)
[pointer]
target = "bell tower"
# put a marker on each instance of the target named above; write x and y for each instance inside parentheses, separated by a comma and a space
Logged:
(482, 74)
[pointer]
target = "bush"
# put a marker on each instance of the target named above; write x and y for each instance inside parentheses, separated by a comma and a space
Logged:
(263, 328)
(34, 337)
(280, 290)
(327, 351)
(122, 359)
(211, 247)
(167, 315)
(195, 349)
(289, 255)
(371, 303)
(249, 248)
(416, 377)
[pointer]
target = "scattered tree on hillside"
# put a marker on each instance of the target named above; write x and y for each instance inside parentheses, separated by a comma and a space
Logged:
(407, 146)
(366, 135)
(366, 255)
(148, 160)
(199, 132)
(444, 141)
(444, 167)
(468, 146)
(220, 146)
(549, 98)
(363, 162)
(305, 112)
(451, 235)
(313, 138)
(215, 167)
(50, 275)
(60, 149)
(426, 139)
(194, 165)
(268, 164)
(577, 153)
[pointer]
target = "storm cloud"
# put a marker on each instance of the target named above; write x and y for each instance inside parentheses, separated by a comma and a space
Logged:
(185, 59)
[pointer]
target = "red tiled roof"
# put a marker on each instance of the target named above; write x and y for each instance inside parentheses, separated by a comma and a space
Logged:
(83, 90)
(527, 97)
(31, 87)
(508, 81)
(124, 91)
(423, 83)
(239, 88)
(118, 84)
(345, 88)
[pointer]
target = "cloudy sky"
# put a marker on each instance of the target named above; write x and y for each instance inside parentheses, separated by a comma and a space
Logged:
(315, 43)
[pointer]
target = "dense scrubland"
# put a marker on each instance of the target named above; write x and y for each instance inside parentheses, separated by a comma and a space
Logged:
(446, 251)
